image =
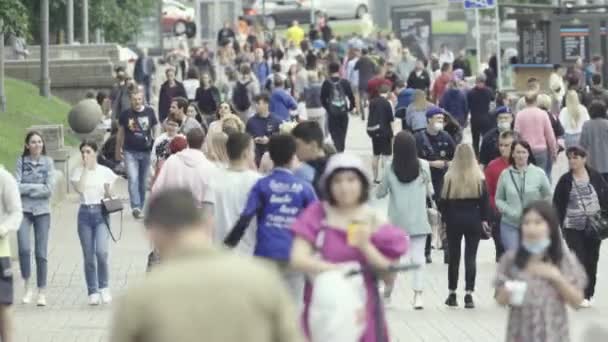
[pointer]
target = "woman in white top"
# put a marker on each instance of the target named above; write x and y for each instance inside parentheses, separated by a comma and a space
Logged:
(191, 83)
(572, 117)
(93, 182)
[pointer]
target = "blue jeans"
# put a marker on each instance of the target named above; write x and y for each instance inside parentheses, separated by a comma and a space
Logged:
(544, 161)
(572, 139)
(138, 164)
(42, 224)
(94, 238)
(509, 234)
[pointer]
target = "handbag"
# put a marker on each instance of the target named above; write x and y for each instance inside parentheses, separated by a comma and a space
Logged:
(110, 206)
(597, 224)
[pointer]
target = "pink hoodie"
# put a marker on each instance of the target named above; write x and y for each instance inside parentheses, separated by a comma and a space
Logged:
(188, 169)
(534, 126)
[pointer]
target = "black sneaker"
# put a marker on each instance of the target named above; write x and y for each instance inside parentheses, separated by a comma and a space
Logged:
(468, 301)
(451, 301)
(429, 260)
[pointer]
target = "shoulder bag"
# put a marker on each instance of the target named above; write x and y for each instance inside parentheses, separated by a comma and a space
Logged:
(597, 224)
(110, 206)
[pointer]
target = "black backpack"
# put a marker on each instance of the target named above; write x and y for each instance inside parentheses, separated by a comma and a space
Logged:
(240, 96)
(337, 99)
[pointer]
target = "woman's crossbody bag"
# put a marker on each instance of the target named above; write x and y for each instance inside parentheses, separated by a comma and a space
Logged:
(110, 206)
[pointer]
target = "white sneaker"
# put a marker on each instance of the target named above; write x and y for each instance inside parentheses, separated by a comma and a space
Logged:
(41, 300)
(106, 297)
(27, 297)
(418, 302)
(585, 304)
(94, 299)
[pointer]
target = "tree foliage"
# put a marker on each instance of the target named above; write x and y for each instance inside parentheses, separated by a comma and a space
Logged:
(120, 20)
(14, 17)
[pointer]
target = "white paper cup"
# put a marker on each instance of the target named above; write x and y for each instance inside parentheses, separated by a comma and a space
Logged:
(517, 289)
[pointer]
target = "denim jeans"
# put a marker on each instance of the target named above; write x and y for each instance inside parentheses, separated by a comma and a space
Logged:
(571, 139)
(509, 234)
(544, 161)
(42, 224)
(138, 164)
(94, 238)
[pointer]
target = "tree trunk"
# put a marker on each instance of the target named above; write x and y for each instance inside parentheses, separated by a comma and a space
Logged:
(2, 95)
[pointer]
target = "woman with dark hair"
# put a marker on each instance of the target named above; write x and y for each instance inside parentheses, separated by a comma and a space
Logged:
(352, 232)
(408, 182)
(538, 279)
(34, 176)
(93, 182)
(207, 98)
(594, 138)
(520, 184)
(580, 194)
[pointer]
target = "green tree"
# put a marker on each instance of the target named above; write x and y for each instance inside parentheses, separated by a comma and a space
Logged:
(13, 20)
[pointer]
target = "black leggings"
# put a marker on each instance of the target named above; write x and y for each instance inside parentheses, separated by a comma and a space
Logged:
(587, 251)
(471, 242)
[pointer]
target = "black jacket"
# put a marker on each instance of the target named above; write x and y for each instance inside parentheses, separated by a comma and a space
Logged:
(468, 212)
(166, 96)
(422, 82)
(561, 195)
(326, 89)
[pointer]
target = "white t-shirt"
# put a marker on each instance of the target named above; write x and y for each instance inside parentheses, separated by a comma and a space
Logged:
(94, 190)
(230, 199)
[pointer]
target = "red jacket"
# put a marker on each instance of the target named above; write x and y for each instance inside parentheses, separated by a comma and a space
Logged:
(492, 173)
(441, 83)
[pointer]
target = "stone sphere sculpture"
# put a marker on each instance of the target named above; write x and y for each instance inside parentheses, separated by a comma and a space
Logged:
(85, 116)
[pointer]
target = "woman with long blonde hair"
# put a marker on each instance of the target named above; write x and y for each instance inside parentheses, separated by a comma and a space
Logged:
(415, 114)
(465, 210)
(216, 149)
(572, 117)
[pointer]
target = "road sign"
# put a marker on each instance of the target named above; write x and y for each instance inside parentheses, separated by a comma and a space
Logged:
(479, 4)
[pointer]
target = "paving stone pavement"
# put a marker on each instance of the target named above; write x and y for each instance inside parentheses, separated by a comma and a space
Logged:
(68, 318)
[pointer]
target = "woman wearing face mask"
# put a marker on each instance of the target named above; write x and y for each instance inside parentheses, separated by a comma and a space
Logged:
(407, 181)
(520, 184)
(464, 206)
(580, 194)
(538, 279)
(34, 176)
(352, 232)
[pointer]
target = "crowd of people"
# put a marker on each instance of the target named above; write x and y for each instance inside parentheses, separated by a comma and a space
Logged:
(247, 151)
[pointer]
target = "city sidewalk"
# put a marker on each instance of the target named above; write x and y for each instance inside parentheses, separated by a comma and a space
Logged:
(68, 318)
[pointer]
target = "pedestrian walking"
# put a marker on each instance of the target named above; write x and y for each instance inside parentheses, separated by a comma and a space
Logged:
(34, 175)
(351, 232)
(262, 126)
(337, 99)
(282, 103)
(365, 69)
(489, 143)
(579, 195)
(11, 215)
(155, 309)
(276, 200)
(245, 89)
(465, 211)
(597, 92)
(178, 109)
(192, 83)
(415, 114)
(170, 89)
(437, 147)
(208, 98)
(534, 126)
(538, 279)
(441, 83)
(479, 99)
(380, 130)
(93, 183)
(519, 185)
(420, 78)
(492, 173)
(594, 138)
(407, 182)
(144, 72)
(310, 151)
(136, 132)
(572, 117)
(454, 101)
(224, 111)
(189, 169)
(312, 99)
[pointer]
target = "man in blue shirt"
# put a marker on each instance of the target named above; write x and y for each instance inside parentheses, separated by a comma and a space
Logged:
(262, 126)
(276, 200)
(281, 102)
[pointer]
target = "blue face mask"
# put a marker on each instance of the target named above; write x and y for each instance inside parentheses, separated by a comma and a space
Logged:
(536, 247)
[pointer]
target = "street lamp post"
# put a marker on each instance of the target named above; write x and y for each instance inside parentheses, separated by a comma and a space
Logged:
(85, 21)
(45, 82)
(2, 96)
(70, 24)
